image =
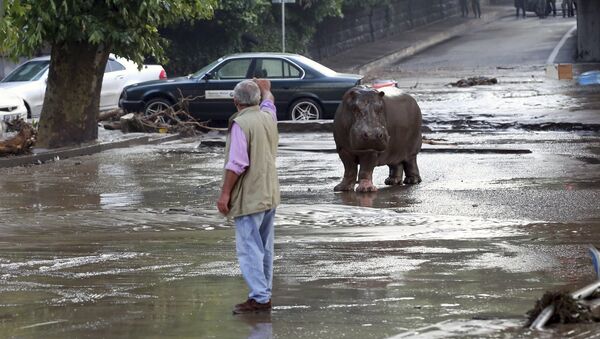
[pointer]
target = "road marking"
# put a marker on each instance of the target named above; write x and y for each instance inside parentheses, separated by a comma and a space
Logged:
(562, 41)
(44, 324)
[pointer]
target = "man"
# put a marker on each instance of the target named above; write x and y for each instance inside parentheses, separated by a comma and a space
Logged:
(476, 8)
(567, 7)
(250, 191)
(551, 6)
(520, 4)
(464, 8)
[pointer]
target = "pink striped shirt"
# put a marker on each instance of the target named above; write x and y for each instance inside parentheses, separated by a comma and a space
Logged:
(239, 159)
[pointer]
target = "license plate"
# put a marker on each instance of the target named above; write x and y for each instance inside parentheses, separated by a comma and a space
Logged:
(10, 117)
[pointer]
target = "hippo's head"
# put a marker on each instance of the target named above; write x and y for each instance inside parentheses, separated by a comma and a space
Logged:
(368, 130)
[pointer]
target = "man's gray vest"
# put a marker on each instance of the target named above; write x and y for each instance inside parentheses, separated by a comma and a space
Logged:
(257, 189)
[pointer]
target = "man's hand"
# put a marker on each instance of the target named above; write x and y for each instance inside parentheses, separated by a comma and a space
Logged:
(263, 84)
(265, 89)
(223, 203)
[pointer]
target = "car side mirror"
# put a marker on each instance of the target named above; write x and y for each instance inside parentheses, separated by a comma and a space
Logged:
(208, 76)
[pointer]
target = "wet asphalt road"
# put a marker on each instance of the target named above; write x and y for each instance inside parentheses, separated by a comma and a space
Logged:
(128, 243)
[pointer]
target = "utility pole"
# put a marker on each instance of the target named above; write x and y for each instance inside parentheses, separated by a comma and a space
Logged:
(283, 2)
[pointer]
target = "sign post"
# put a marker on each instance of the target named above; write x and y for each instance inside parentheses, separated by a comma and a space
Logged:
(283, 2)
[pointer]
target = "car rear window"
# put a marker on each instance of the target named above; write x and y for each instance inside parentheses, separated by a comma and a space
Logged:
(113, 66)
(276, 68)
(317, 66)
(29, 71)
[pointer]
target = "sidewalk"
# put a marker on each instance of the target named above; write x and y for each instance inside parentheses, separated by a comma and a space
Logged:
(367, 57)
(106, 140)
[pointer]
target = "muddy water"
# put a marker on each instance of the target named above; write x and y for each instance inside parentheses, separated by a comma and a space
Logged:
(127, 243)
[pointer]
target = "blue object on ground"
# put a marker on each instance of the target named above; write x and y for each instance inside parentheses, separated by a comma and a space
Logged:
(595, 260)
(589, 78)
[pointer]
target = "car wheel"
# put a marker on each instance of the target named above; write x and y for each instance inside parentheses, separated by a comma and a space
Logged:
(305, 109)
(155, 106)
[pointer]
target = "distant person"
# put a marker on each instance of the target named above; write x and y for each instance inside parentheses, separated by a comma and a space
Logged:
(476, 8)
(520, 5)
(250, 190)
(464, 8)
(567, 8)
(551, 6)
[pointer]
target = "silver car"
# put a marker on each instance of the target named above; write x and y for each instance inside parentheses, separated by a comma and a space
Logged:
(29, 79)
(11, 106)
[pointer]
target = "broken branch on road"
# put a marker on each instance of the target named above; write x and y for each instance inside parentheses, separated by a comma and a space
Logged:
(474, 81)
(22, 142)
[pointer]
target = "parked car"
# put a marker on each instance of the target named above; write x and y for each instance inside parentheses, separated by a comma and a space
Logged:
(29, 79)
(303, 88)
(11, 107)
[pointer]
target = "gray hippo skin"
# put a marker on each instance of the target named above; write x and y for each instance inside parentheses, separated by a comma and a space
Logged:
(374, 128)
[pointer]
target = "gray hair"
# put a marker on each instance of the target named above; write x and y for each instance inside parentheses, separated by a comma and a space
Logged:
(247, 93)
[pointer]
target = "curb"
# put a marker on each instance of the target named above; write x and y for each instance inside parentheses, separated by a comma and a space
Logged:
(40, 156)
(432, 41)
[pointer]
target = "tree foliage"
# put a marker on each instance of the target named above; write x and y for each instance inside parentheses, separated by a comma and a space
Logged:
(128, 28)
(244, 26)
(81, 34)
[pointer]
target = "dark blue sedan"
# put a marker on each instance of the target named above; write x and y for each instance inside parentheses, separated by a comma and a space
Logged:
(303, 88)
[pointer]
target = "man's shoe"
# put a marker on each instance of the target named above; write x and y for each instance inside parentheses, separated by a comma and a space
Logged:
(252, 306)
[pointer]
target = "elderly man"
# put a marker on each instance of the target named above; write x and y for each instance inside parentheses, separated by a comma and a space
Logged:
(250, 191)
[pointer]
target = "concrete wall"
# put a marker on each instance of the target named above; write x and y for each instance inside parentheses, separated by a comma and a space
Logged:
(588, 30)
(359, 26)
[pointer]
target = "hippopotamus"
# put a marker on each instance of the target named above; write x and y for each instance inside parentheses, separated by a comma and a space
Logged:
(374, 128)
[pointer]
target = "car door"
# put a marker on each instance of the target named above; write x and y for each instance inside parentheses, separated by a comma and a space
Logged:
(218, 88)
(115, 76)
(286, 80)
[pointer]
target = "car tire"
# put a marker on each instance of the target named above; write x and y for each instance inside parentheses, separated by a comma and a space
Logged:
(155, 105)
(305, 109)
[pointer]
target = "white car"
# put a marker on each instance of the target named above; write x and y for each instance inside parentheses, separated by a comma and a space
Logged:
(11, 107)
(29, 79)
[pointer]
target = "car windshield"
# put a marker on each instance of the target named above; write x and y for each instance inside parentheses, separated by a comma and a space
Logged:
(205, 69)
(317, 66)
(29, 71)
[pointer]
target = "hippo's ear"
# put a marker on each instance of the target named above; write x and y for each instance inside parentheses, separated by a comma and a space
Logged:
(351, 94)
(381, 94)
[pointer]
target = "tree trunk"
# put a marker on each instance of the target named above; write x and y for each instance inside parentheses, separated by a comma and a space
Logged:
(588, 30)
(70, 111)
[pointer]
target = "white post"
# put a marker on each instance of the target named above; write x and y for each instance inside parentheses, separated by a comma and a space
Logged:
(282, 26)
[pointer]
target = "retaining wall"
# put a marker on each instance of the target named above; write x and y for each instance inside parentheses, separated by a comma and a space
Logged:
(359, 26)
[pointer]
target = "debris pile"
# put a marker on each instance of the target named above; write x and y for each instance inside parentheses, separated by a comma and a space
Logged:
(474, 81)
(175, 119)
(22, 141)
(566, 309)
(562, 307)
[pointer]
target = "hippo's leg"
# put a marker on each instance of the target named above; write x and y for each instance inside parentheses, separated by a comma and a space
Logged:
(350, 171)
(411, 170)
(395, 177)
(365, 175)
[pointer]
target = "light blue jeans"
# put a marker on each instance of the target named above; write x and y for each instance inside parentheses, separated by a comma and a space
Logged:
(254, 236)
